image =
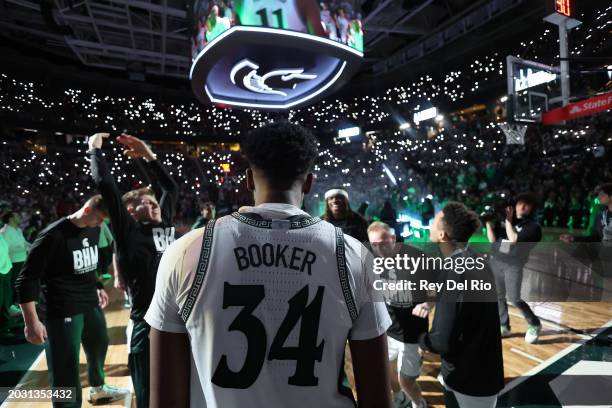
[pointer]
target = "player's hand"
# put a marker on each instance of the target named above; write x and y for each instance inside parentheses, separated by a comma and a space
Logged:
(95, 141)
(102, 298)
(119, 283)
(421, 310)
(566, 238)
(509, 213)
(136, 148)
(35, 334)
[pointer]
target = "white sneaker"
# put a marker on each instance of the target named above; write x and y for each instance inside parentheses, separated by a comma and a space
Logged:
(400, 400)
(107, 393)
(533, 333)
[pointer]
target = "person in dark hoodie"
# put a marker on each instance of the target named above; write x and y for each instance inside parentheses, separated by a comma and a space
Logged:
(465, 330)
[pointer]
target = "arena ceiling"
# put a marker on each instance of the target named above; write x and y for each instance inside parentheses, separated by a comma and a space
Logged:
(152, 36)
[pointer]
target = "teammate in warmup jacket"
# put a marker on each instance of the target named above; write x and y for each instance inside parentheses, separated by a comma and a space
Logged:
(143, 229)
(408, 311)
(465, 330)
(64, 257)
(257, 306)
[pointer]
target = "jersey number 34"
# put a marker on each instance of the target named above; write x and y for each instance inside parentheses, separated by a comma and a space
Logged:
(305, 354)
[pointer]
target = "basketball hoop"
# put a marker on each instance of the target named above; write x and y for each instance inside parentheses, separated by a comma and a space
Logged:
(515, 133)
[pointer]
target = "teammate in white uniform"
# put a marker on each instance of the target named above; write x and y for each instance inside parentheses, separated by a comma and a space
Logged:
(256, 308)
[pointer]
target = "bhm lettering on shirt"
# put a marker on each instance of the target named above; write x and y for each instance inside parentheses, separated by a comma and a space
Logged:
(279, 256)
(162, 237)
(86, 259)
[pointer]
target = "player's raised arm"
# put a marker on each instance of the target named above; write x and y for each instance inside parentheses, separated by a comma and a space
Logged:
(121, 220)
(136, 148)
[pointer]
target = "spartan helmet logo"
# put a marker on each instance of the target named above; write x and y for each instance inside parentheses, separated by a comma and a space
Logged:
(85, 242)
(245, 75)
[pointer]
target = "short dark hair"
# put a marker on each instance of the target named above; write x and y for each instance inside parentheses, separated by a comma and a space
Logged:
(97, 204)
(460, 223)
(528, 198)
(6, 217)
(282, 150)
(207, 204)
(606, 188)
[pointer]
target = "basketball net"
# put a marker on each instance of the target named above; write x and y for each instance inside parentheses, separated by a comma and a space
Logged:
(515, 134)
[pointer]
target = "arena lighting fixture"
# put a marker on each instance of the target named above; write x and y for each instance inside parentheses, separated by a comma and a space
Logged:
(349, 132)
(425, 114)
(404, 126)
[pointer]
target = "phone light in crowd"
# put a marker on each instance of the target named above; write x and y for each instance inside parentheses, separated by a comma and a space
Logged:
(349, 132)
(404, 126)
(425, 114)
(503, 98)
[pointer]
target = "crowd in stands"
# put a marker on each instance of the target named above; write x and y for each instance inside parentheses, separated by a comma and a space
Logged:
(387, 175)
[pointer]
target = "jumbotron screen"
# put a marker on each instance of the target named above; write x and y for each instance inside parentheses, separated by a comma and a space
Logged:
(334, 19)
(273, 54)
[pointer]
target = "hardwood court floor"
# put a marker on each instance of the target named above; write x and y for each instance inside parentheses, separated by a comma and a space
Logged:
(116, 369)
(560, 323)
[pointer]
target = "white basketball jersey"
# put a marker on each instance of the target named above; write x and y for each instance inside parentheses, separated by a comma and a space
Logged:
(268, 306)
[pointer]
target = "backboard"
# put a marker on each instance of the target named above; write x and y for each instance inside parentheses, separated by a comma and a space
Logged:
(533, 88)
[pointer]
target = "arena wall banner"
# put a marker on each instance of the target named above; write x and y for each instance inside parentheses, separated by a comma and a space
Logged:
(576, 110)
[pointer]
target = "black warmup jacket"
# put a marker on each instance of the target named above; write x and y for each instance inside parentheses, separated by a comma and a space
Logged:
(466, 334)
(139, 245)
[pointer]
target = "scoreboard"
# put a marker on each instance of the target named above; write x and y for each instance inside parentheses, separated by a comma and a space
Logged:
(566, 8)
(273, 54)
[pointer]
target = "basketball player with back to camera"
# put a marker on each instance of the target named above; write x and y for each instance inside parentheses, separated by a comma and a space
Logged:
(64, 257)
(143, 230)
(257, 306)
